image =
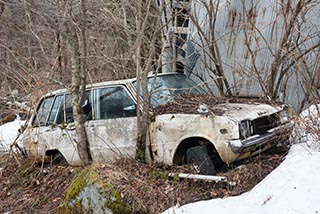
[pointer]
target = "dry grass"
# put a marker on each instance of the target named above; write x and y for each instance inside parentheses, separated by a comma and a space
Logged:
(307, 127)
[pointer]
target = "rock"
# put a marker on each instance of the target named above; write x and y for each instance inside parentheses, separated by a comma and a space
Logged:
(88, 194)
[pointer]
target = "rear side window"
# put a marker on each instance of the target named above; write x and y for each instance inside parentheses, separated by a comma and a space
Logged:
(43, 112)
(113, 102)
(68, 109)
(54, 116)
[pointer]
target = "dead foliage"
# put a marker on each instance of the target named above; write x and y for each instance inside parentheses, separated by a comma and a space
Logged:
(307, 127)
(7, 118)
(9, 111)
(147, 188)
(26, 187)
(189, 103)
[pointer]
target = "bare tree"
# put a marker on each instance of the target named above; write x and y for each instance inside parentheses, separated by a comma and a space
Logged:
(42, 41)
(255, 47)
(147, 25)
(75, 38)
(209, 39)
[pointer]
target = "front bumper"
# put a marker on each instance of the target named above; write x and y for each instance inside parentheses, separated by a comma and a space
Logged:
(273, 135)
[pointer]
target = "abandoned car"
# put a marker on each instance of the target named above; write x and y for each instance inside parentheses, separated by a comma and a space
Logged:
(224, 131)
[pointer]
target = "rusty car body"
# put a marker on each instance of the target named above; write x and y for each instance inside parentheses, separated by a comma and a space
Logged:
(201, 139)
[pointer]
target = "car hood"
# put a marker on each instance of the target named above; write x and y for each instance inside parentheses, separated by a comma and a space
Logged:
(242, 111)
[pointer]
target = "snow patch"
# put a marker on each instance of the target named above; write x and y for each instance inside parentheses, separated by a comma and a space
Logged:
(290, 188)
(8, 132)
(307, 128)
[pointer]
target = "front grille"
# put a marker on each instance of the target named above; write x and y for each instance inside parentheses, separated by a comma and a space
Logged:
(258, 126)
(263, 124)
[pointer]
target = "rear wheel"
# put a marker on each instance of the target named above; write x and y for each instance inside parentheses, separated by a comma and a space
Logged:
(200, 161)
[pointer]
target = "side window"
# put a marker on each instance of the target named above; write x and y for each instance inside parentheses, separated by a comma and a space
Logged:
(58, 109)
(113, 102)
(43, 111)
(86, 107)
(57, 105)
(68, 109)
(60, 114)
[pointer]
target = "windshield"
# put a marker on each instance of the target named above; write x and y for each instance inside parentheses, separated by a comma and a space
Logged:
(164, 87)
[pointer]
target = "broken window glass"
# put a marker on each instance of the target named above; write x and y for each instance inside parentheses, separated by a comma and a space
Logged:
(68, 109)
(43, 111)
(55, 109)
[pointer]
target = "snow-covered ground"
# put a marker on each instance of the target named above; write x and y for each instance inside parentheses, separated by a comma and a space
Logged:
(8, 132)
(291, 188)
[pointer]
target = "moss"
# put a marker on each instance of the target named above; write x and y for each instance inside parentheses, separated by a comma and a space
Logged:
(140, 155)
(156, 174)
(78, 184)
(114, 201)
(164, 175)
(83, 178)
(176, 178)
(86, 177)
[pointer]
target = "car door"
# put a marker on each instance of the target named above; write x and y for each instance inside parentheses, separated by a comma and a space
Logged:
(53, 127)
(113, 130)
(43, 131)
(67, 139)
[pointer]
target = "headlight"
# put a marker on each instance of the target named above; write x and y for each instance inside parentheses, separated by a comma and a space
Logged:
(245, 129)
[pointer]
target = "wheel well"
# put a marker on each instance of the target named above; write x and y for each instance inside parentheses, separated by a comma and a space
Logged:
(52, 152)
(179, 156)
(56, 156)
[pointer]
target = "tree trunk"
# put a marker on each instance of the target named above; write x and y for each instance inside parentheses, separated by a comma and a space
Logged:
(142, 69)
(78, 70)
(140, 154)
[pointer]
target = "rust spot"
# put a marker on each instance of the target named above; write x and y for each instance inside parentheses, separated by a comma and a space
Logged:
(251, 13)
(231, 18)
(251, 16)
(264, 9)
(288, 7)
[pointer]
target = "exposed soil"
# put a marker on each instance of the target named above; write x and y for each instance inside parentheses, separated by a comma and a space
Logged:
(26, 187)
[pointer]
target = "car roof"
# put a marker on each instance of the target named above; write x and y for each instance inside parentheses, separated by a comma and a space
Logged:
(107, 83)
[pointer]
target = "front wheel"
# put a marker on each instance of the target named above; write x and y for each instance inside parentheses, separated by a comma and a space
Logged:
(200, 161)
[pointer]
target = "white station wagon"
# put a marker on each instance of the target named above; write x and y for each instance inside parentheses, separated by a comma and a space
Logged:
(202, 138)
